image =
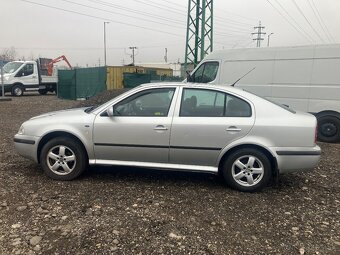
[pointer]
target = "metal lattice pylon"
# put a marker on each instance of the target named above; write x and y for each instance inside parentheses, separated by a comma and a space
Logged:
(199, 38)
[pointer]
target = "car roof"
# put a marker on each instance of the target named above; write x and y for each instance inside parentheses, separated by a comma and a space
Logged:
(225, 87)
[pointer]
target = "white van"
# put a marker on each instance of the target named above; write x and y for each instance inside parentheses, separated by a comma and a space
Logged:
(305, 78)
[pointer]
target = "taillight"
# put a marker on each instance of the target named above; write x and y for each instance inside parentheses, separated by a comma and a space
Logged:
(316, 133)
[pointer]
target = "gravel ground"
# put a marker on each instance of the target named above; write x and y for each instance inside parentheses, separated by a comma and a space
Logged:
(141, 211)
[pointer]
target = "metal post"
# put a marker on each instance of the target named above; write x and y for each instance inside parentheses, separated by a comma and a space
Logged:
(269, 39)
(2, 82)
(3, 98)
(105, 41)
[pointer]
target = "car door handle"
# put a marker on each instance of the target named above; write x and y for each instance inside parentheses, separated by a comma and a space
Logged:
(160, 127)
(233, 129)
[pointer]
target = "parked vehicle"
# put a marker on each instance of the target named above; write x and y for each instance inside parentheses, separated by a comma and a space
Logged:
(305, 78)
(190, 127)
(21, 76)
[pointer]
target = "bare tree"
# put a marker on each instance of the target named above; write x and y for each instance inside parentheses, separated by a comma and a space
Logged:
(8, 54)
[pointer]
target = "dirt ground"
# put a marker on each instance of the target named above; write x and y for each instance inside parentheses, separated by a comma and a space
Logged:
(141, 211)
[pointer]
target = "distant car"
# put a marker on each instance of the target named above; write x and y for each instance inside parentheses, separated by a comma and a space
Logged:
(190, 127)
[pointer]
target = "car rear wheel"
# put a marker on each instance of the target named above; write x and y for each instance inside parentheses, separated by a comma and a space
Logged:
(63, 159)
(329, 129)
(247, 170)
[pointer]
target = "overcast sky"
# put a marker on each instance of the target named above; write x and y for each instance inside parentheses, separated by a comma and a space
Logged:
(153, 25)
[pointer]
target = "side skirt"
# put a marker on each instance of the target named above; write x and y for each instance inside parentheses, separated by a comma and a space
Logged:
(164, 166)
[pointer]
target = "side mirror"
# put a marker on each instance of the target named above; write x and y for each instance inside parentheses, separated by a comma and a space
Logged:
(110, 111)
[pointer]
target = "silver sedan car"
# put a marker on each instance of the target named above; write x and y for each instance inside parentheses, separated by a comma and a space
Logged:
(186, 127)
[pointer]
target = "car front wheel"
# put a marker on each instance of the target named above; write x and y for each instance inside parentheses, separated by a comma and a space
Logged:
(63, 159)
(247, 170)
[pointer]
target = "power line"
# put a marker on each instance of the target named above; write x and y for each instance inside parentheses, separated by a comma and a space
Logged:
(301, 12)
(317, 18)
(126, 15)
(182, 12)
(157, 16)
(100, 18)
(328, 34)
(292, 18)
(135, 11)
(285, 18)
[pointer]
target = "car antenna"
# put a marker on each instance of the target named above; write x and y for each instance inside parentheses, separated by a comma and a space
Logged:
(233, 85)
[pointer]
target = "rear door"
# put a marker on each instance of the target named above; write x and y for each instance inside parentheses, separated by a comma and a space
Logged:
(205, 121)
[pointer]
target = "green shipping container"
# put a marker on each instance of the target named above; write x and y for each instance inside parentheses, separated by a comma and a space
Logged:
(67, 84)
(81, 83)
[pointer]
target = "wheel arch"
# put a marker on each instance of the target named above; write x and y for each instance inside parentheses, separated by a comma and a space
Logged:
(19, 84)
(327, 113)
(47, 137)
(270, 156)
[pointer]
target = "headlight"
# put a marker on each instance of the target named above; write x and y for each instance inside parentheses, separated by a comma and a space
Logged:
(21, 130)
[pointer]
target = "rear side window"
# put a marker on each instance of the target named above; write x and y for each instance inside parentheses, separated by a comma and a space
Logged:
(206, 72)
(211, 103)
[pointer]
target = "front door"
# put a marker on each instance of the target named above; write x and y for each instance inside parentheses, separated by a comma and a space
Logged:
(139, 130)
(205, 123)
(28, 76)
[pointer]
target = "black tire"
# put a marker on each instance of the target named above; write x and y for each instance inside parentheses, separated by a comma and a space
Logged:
(42, 91)
(72, 147)
(17, 90)
(328, 129)
(243, 156)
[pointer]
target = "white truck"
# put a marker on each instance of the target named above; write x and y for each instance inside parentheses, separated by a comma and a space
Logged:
(305, 78)
(39, 75)
(21, 76)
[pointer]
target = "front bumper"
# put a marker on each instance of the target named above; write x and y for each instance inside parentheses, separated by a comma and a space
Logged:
(297, 159)
(27, 146)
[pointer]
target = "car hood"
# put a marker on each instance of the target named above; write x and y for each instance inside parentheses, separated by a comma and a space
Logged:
(63, 113)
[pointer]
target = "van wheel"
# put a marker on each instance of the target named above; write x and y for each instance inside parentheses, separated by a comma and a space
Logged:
(17, 90)
(63, 159)
(328, 129)
(247, 170)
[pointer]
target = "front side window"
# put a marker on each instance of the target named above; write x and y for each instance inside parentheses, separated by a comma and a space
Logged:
(206, 72)
(26, 70)
(149, 103)
(211, 103)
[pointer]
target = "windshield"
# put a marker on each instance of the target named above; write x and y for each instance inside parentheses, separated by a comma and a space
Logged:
(11, 67)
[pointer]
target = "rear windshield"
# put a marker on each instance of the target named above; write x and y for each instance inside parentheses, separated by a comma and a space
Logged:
(276, 103)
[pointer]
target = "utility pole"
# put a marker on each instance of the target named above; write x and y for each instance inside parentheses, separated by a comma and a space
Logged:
(259, 34)
(199, 37)
(105, 22)
(269, 38)
(166, 55)
(133, 48)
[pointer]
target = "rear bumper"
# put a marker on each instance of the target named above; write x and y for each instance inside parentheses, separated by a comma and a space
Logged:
(297, 159)
(26, 146)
